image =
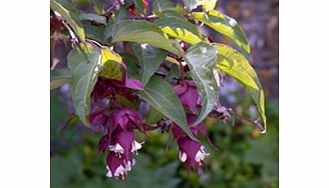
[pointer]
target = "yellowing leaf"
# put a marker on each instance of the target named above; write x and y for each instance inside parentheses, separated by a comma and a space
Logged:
(181, 29)
(111, 65)
(236, 65)
(226, 26)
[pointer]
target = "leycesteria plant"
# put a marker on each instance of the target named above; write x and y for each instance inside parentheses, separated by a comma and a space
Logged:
(143, 65)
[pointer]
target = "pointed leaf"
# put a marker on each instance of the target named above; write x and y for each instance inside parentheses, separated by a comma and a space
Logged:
(118, 16)
(201, 59)
(150, 59)
(226, 26)
(111, 65)
(95, 32)
(70, 17)
(142, 32)
(181, 29)
(237, 66)
(83, 62)
(159, 94)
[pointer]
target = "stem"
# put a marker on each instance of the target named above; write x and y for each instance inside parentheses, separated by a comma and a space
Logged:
(253, 122)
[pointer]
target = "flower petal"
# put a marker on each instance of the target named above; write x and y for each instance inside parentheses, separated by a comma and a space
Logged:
(136, 146)
(121, 170)
(109, 174)
(117, 148)
(182, 156)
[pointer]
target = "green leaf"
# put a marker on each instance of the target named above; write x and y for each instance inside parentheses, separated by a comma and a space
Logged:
(83, 62)
(70, 17)
(139, 4)
(121, 14)
(153, 116)
(95, 32)
(150, 59)
(59, 77)
(131, 65)
(108, 29)
(93, 17)
(181, 29)
(111, 65)
(237, 66)
(201, 59)
(142, 32)
(226, 26)
(118, 16)
(159, 94)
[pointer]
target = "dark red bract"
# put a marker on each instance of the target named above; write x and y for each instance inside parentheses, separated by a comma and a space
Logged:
(188, 95)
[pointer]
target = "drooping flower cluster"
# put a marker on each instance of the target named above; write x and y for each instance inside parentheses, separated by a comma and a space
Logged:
(191, 152)
(118, 123)
(121, 143)
(112, 117)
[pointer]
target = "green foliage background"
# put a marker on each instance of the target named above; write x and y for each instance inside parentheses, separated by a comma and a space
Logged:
(245, 158)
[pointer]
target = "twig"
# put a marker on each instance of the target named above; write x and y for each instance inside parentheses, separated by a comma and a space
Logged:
(253, 122)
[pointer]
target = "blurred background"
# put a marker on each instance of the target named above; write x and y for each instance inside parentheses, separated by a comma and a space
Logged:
(245, 158)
